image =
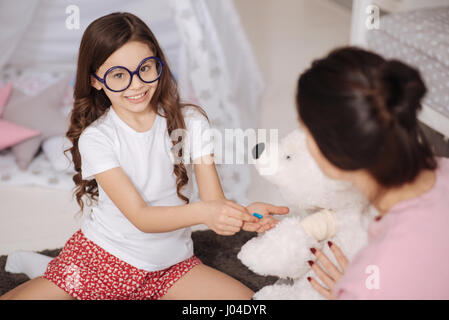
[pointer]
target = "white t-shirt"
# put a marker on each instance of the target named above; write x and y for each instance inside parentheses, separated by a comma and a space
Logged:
(146, 158)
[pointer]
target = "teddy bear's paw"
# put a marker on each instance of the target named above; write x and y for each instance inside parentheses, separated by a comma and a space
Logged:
(320, 225)
(282, 251)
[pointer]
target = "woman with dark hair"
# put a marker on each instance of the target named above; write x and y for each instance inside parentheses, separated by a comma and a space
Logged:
(359, 112)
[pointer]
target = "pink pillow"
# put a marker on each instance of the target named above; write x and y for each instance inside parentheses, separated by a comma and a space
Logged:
(41, 112)
(11, 134)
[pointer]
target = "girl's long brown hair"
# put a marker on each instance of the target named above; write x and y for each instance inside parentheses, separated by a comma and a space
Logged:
(101, 38)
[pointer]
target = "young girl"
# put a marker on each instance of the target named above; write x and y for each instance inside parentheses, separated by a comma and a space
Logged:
(136, 243)
(359, 112)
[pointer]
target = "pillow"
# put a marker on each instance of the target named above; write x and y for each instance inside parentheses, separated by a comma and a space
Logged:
(41, 112)
(10, 133)
(53, 149)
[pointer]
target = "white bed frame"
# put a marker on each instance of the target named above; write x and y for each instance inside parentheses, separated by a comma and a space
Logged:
(36, 218)
(428, 116)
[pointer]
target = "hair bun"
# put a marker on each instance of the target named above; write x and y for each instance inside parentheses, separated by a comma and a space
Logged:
(403, 90)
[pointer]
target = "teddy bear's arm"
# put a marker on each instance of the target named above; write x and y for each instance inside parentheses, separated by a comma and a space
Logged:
(320, 225)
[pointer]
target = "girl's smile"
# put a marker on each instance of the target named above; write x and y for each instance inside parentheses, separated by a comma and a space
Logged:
(138, 98)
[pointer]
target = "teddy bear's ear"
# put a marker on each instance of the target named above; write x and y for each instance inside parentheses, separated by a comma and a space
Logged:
(258, 150)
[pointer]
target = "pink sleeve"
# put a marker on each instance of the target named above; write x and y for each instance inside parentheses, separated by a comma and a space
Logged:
(366, 276)
(343, 294)
(392, 270)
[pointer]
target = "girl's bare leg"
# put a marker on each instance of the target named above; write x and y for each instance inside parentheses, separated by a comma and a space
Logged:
(37, 289)
(205, 283)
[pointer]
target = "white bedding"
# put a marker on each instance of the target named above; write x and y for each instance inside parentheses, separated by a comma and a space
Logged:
(40, 174)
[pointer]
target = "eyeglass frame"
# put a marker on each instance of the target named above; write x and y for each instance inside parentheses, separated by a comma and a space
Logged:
(132, 73)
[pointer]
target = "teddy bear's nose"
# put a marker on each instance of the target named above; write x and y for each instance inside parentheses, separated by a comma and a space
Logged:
(258, 149)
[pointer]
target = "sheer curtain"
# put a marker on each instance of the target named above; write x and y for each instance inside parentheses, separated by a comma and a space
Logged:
(221, 72)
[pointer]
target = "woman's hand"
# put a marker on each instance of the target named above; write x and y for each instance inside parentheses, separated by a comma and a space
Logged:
(265, 210)
(225, 217)
(331, 274)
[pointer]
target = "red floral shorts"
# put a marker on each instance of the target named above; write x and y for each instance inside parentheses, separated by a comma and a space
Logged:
(88, 272)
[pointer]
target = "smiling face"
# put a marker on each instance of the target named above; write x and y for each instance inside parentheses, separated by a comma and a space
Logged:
(136, 98)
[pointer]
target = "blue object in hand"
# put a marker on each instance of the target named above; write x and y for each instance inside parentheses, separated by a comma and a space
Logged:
(257, 215)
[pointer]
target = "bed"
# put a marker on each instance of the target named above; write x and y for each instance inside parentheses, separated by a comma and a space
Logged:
(417, 33)
(37, 209)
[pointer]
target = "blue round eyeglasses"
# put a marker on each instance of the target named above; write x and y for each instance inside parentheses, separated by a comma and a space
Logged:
(119, 78)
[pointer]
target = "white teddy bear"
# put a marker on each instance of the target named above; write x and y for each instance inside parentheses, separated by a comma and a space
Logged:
(323, 209)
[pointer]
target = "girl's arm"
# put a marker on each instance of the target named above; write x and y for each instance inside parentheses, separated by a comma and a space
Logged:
(209, 186)
(219, 215)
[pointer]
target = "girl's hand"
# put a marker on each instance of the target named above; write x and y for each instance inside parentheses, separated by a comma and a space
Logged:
(226, 217)
(267, 222)
(330, 275)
